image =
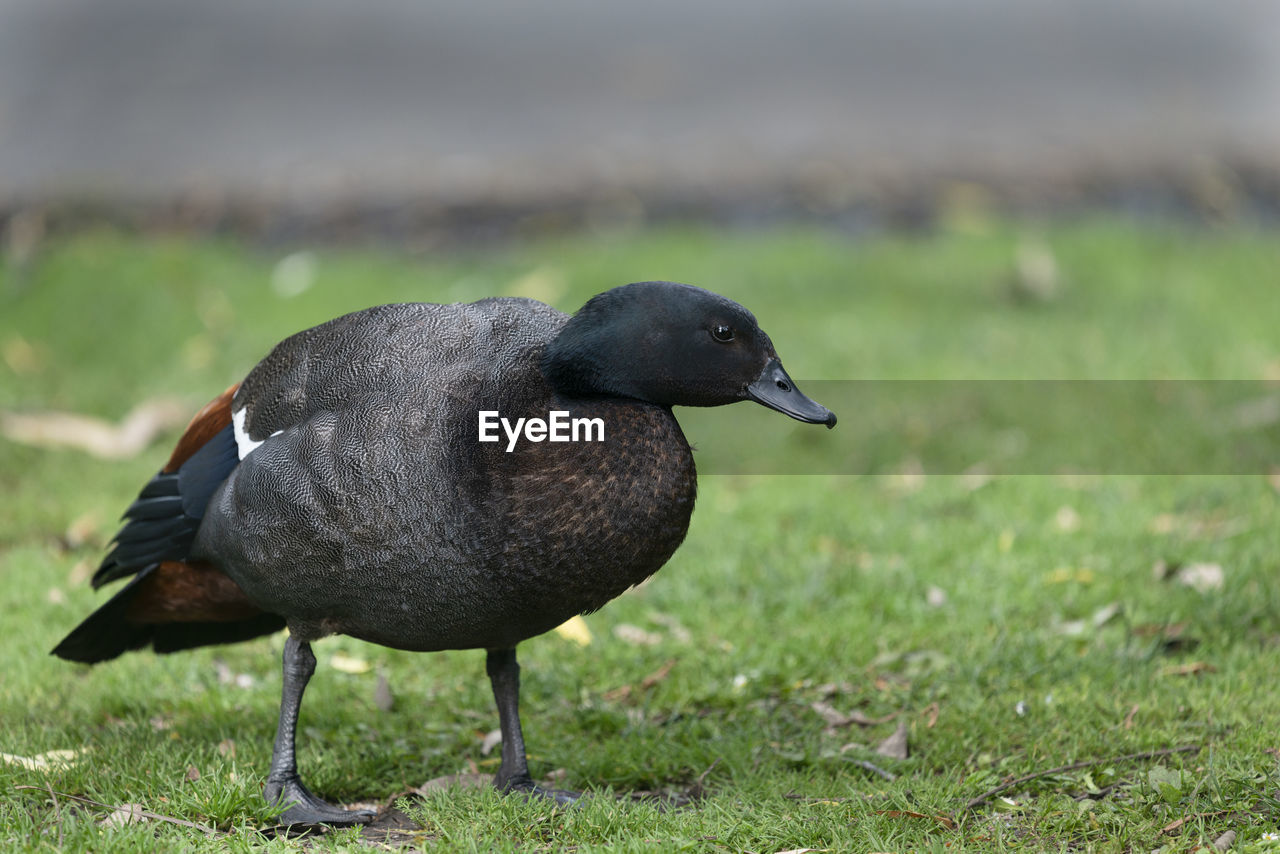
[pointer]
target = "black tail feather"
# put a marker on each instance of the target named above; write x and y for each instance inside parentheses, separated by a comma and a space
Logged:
(162, 523)
(108, 632)
(161, 526)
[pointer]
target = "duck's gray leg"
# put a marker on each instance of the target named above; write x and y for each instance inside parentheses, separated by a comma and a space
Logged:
(283, 784)
(513, 774)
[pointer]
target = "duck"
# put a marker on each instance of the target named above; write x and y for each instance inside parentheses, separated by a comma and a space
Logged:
(348, 485)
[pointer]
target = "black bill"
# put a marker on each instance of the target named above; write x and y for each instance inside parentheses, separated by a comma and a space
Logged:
(775, 390)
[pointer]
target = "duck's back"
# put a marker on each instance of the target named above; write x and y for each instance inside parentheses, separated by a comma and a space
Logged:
(370, 508)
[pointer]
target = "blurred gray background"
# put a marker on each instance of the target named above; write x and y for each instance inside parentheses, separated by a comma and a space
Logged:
(316, 101)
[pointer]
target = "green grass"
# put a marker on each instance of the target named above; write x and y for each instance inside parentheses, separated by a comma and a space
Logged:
(792, 590)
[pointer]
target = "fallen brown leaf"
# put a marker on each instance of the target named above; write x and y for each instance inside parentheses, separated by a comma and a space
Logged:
(193, 774)
(613, 695)
(658, 675)
(931, 711)
(227, 747)
(895, 746)
(1128, 718)
(622, 692)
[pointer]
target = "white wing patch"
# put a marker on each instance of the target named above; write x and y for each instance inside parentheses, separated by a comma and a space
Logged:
(244, 445)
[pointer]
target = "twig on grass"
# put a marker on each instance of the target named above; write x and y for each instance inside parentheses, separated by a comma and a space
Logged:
(1175, 825)
(212, 831)
(57, 811)
(697, 791)
(874, 769)
(1075, 766)
(792, 796)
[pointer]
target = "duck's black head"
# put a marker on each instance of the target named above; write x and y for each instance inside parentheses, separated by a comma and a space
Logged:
(674, 345)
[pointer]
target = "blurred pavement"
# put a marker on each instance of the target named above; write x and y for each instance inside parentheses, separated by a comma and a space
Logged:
(317, 100)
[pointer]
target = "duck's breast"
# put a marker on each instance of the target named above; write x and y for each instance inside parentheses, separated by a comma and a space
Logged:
(377, 512)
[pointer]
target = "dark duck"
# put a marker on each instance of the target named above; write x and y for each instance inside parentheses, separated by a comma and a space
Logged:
(342, 488)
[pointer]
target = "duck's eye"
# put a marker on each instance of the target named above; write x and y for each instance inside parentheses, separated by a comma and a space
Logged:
(722, 333)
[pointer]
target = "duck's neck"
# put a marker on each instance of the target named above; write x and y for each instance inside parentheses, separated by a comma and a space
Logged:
(582, 362)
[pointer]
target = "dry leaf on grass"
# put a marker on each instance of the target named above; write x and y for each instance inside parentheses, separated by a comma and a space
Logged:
(44, 761)
(349, 664)
(1201, 577)
(635, 635)
(383, 699)
(193, 774)
(622, 692)
(82, 531)
(658, 675)
(672, 625)
(895, 746)
(836, 719)
(1189, 669)
(1174, 825)
(124, 814)
(575, 629)
(455, 781)
(95, 436)
(1066, 520)
(491, 740)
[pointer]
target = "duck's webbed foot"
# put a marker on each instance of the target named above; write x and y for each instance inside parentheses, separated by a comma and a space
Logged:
(306, 808)
(526, 786)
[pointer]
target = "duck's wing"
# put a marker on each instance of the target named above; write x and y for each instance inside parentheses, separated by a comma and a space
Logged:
(172, 602)
(439, 358)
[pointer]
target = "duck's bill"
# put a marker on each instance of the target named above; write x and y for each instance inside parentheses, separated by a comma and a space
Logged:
(775, 390)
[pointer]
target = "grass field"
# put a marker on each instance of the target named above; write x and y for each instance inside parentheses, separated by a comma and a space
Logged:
(1007, 626)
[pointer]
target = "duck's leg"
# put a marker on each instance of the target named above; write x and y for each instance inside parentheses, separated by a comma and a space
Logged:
(513, 774)
(283, 784)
